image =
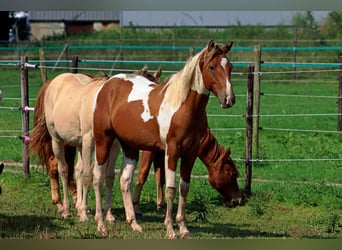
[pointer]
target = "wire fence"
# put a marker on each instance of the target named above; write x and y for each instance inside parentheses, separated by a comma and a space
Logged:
(315, 68)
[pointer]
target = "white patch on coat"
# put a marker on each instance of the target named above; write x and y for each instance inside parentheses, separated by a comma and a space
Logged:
(140, 92)
(224, 62)
(164, 119)
(228, 87)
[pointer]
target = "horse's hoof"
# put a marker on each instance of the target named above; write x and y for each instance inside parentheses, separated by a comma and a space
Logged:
(102, 230)
(60, 208)
(135, 226)
(66, 215)
(171, 235)
(110, 219)
(185, 235)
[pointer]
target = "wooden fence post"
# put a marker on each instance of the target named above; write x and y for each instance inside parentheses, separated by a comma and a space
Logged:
(339, 117)
(249, 128)
(25, 116)
(256, 101)
(42, 65)
(74, 66)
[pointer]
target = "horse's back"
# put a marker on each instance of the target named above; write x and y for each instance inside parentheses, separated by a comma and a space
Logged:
(68, 106)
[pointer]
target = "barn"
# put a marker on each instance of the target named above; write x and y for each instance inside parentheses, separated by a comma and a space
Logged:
(47, 23)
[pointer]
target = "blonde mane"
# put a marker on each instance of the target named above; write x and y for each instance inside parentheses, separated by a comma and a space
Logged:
(179, 85)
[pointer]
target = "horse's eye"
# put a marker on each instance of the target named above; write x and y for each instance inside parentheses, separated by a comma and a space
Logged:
(211, 68)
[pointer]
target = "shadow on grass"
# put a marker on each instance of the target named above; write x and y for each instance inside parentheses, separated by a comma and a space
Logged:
(27, 226)
(217, 230)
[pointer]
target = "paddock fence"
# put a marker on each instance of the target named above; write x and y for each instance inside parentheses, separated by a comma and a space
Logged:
(253, 76)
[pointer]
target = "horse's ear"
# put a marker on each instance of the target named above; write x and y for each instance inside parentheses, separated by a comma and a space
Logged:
(226, 48)
(228, 151)
(211, 44)
(157, 74)
(144, 70)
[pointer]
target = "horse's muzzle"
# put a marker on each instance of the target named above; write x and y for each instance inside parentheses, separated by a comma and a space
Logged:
(228, 102)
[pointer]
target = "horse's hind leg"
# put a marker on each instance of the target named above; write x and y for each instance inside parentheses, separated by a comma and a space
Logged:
(126, 176)
(79, 186)
(110, 173)
(159, 174)
(70, 153)
(146, 159)
(58, 149)
(54, 183)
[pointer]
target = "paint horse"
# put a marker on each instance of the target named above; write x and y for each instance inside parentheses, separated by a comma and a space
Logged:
(169, 117)
(222, 172)
(45, 153)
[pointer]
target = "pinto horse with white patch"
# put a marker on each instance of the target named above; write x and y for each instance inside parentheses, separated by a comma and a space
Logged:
(169, 117)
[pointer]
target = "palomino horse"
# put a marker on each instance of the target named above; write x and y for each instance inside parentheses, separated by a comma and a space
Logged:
(45, 152)
(46, 157)
(169, 117)
(222, 172)
(65, 118)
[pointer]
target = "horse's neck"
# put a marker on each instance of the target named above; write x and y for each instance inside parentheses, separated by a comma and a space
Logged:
(209, 150)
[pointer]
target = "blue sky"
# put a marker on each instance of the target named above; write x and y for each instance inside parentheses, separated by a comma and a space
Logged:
(211, 18)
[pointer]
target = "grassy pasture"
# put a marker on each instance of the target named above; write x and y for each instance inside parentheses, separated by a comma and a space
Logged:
(291, 199)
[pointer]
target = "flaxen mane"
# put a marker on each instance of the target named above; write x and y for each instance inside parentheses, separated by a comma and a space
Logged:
(180, 84)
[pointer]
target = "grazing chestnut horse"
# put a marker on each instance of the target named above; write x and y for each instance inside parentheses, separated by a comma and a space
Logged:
(222, 172)
(45, 152)
(169, 117)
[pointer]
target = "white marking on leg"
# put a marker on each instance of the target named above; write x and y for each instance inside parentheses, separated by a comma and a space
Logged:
(126, 175)
(170, 176)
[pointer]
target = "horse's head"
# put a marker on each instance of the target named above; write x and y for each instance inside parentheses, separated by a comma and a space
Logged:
(224, 179)
(216, 72)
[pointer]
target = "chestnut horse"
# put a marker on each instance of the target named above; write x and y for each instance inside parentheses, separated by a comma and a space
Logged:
(169, 117)
(45, 152)
(222, 172)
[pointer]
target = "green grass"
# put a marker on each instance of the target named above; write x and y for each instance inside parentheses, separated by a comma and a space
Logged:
(276, 210)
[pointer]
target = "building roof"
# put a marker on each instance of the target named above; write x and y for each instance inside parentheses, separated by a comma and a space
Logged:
(53, 16)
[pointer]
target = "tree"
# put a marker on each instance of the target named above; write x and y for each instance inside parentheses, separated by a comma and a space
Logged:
(332, 28)
(307, 26)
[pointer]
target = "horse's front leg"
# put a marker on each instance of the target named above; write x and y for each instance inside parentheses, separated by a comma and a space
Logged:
(99, 174)
(184, 184)
(126, 176)
(171, 158)
(110, 174)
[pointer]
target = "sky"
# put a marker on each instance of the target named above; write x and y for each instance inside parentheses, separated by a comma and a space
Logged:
(211, 18)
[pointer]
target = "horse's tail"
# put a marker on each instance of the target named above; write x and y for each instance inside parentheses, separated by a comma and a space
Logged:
(41, 142)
